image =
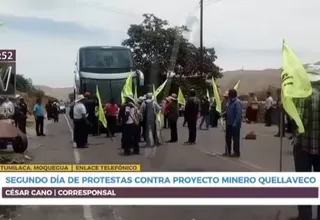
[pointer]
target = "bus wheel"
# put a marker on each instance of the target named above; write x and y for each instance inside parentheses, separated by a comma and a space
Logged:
(3, 144)
(20, 144)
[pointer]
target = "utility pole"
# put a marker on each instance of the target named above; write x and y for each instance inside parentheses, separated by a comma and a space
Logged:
(201, 37)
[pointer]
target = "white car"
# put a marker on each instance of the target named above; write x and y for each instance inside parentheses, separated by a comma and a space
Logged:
(62, 108)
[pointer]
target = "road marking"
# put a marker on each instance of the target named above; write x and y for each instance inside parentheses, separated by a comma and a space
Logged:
(87, 210)
(243, 163)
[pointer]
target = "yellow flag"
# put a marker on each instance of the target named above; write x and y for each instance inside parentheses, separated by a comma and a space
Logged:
(216, 96)
(208, 94)
(295, 83)
(154, 92)
(101, 115)
(181, 99)
(158, 116)
(236, 87)
(127, 88)
(160, 88)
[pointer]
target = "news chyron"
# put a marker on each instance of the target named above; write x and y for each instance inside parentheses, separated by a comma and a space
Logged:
(70, 168)
(7, 72)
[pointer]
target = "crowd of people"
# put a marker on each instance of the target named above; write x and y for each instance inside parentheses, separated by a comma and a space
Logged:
(140, 119)
(15, 109)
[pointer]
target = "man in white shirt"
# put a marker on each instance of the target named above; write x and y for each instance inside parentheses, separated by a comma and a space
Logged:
(7, 108)
(268, 109)
(80, 122)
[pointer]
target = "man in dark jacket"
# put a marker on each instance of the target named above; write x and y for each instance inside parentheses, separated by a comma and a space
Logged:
(192, 111)
(48, 108)
(22, 123)
(90, 104)
(173, 115)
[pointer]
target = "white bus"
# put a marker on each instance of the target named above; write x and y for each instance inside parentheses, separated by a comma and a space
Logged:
(107, 67)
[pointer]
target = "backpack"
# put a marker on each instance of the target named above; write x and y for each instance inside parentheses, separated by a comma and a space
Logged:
(71, 112)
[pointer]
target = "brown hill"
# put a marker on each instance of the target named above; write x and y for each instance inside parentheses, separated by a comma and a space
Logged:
(59, 93)
(250, 80)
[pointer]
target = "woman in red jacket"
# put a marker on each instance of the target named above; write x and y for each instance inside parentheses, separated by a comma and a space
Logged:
(165, 104)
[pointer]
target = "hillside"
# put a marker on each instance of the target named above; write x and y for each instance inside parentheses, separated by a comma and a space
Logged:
(60, 93)
(250, 80)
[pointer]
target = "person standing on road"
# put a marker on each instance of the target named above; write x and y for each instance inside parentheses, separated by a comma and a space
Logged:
(233, 123)
(22, 123)
(165, 104)
(252, 109)
(192, 112)
(55, 111)
(48, 108)
(149, 110)
(306, 146)
(268, 109)
(39, 117)
(280, 112)
(173, 115)
(205, 108)
(141, 127)
(80, 122)
(91, 111)
(111, 109)
(129, 127)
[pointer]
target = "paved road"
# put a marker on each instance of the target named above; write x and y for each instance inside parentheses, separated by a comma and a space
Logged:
(56, 147)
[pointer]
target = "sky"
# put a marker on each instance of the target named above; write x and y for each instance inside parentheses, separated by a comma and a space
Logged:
(245, 33)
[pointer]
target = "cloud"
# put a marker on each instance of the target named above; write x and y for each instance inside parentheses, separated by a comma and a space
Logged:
(48, 27)
(46, 49)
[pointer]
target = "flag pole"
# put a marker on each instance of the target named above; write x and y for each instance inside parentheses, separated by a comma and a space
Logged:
(281, 128)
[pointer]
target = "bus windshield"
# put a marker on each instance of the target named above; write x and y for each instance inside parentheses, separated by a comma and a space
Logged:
(105, 60)
(108, 88)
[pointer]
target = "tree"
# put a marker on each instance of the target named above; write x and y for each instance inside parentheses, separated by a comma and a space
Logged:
(157, 48)
(23, 84)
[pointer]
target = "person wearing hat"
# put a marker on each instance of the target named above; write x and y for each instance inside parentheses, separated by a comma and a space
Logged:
(192, 110)
(149, 110)
(55, 111)
(80, 122)
(173, 115)
(129, 127)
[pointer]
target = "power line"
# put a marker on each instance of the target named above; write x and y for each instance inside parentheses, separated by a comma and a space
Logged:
(111, 9)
